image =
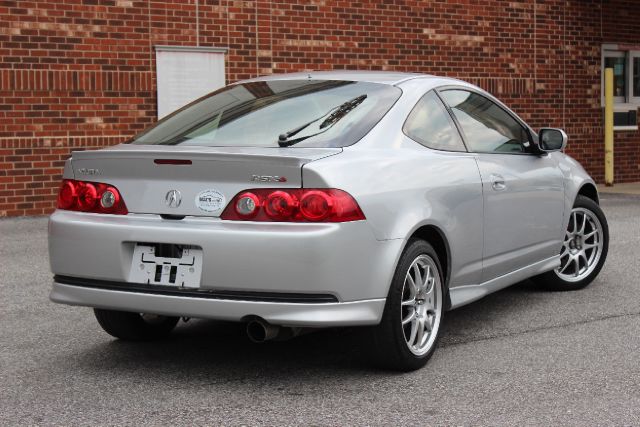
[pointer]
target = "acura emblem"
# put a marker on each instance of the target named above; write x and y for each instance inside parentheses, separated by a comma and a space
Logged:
(173, 199)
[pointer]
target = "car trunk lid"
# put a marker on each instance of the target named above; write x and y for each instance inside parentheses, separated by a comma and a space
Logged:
(190, 180)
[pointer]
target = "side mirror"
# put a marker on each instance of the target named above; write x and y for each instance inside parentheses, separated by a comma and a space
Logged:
(550, 139)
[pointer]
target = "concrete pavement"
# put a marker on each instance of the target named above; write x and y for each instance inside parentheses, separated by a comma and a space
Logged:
(629, 188)
(522, 356)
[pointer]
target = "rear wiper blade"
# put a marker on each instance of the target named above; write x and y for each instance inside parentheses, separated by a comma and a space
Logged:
(334, 115)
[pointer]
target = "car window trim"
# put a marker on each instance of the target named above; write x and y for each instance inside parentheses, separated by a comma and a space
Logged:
(446, 108)
(500, 105)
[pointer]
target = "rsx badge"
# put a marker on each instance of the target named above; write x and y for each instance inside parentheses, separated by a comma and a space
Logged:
(268, 178)
(89, 171)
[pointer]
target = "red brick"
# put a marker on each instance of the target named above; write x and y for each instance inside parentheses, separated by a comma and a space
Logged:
(74, 75)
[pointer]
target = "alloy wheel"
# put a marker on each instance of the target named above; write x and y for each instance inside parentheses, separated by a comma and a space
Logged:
(582, 246)
(421, 307)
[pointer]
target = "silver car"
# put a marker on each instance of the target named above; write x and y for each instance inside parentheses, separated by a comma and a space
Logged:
(324, 199)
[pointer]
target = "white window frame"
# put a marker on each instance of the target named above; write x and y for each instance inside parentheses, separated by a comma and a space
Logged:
(627, 102)
(177, 84)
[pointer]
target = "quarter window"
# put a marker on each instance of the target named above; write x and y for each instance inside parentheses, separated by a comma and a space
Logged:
(430, 124)
(487, 127)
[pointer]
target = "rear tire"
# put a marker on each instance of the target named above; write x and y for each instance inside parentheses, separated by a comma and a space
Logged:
(135, 326)
(584, 249)
(408, 333)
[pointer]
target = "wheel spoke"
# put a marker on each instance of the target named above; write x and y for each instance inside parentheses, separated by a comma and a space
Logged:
(409, 318)
(430, 298)
(564, 267)
(575, 222)
(584, 223)
(418, 276)
(420, 328)
(414, 332)
(427, 323)
(590, 234)
(411, 301)
(576, 261)
(583, 255)
(589, 246)
(412, 284)
(426, 279)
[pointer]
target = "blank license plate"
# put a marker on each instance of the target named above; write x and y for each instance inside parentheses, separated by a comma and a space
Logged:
(166, 264)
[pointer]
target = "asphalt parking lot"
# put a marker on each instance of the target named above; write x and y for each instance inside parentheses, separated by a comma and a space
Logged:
(521, 356)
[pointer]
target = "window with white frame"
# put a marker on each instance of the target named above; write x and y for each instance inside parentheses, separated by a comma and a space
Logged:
(625, 62)
(185, 73)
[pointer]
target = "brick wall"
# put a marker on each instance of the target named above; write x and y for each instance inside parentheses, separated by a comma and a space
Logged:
(79, 74)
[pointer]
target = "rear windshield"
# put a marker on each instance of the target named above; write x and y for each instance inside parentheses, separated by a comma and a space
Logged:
(279, 113)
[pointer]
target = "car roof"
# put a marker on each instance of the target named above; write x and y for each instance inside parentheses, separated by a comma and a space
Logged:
(383, 77)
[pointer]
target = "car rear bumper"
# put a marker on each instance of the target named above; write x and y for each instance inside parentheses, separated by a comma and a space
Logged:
(308, 314)
(339, 260)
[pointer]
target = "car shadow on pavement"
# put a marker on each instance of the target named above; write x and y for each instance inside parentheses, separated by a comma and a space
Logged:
(497, 314)
(213, 352)
(217, 351)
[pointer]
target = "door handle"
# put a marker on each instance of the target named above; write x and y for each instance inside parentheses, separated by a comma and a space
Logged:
(497, 182)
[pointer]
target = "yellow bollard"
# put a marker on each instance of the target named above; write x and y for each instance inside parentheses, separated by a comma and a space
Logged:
(608, 126)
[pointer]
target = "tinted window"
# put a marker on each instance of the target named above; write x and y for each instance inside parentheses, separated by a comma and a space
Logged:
(486, 126)
(619, 74)
(430, 124)
(256, 114)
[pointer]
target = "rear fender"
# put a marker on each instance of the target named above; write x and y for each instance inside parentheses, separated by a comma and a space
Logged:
(400, 190)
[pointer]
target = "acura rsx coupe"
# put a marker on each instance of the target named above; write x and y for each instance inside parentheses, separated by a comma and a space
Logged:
(324, 199)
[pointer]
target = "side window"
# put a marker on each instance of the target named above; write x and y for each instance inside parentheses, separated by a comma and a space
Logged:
(487, 127)
(430, 124)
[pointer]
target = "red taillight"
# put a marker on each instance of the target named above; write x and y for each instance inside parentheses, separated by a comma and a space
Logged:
(93, 197)
(293, 205)
(67, 196)
(316, 205)
(280, 205)
(87, 197)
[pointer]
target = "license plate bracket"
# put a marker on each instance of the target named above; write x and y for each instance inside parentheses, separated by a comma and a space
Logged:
(166, 265)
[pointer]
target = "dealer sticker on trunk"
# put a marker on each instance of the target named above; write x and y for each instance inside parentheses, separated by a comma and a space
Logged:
(211, 201)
